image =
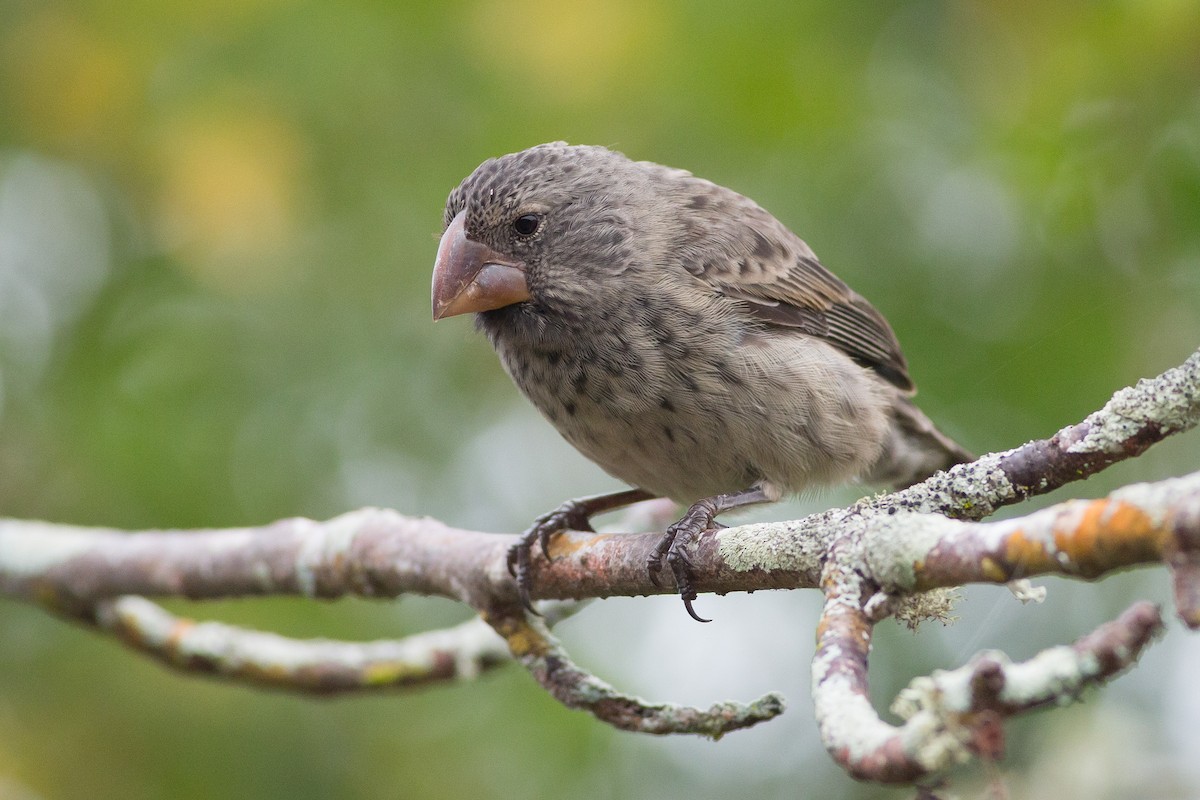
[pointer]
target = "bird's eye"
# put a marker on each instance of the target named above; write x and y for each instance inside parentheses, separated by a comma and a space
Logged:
(527, 224)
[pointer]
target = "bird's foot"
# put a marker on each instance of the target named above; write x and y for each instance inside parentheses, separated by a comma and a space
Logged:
(672, 548)
(571, 515)
(701, 517)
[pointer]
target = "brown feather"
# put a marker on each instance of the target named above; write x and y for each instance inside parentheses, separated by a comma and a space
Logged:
(779, 279)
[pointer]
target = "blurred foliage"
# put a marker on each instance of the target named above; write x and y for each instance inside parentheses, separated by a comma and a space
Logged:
(217, 222)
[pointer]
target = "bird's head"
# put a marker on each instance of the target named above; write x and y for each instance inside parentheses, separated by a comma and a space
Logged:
(544, 226)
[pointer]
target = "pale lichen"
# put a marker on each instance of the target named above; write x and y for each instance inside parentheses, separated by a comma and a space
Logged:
(1024, 590)
(326, 544)
(895, 544)
(969, 491)
(1170, 402)
(33, 548)
(844, 715)
(936, 605)
(794, 546)
(232, 650)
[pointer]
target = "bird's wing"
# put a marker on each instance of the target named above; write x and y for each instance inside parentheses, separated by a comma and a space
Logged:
(749, 256)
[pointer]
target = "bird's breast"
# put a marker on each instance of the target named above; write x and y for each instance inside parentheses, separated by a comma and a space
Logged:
(639, 394)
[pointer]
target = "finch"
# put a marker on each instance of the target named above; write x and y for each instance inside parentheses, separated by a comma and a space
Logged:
(680, 337)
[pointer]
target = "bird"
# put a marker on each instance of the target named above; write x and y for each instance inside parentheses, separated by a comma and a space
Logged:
(679, 336)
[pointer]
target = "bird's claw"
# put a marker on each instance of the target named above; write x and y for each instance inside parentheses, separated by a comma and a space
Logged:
(571, 515)
(519, 557)
(672, 548)
(682, 568)
(655, 561)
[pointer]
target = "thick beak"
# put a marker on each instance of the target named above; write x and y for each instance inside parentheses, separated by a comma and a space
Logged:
(469, 276)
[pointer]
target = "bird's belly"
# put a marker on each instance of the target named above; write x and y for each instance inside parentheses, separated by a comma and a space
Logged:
(688, 435)
(656, 451)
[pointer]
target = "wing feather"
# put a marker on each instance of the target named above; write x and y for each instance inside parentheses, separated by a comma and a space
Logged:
(749, 256)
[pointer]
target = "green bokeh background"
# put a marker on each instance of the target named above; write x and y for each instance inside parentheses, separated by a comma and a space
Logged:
(217, 222)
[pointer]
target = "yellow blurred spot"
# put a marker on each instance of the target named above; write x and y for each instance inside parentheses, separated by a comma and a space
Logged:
(575, 51)
(391, 673)
(229, 195)
(66, 81)
(992, 570)
(523, 640)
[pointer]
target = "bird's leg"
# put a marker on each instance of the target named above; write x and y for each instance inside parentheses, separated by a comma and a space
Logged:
(672, 547)
(572, 515)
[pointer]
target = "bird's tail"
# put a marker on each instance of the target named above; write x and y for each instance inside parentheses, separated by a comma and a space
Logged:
(914, 449)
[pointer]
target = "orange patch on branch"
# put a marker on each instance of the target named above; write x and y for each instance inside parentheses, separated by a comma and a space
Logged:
(1109, 533)
(1025, 555)
(1089, 538)
(561, 546)
(181, 628)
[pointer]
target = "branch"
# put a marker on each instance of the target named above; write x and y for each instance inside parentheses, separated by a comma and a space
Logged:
(369, 553)
(319, 666)
(532, 645)
(951, 714)
(1139, 524)
(1134, 419)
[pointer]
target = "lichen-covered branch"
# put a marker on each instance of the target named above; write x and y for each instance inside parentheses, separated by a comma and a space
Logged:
(531, 643)
(369, 552)
(377, 553)
(896, 555)
(900, 544)
(1139, 524)
(952, 714)
(320, 666)
(862, 743)
(1134, 419)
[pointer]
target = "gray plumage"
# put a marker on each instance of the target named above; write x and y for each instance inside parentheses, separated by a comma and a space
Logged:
(683, 339)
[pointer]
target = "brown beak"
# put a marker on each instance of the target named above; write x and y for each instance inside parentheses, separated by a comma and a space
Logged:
(469, 276)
